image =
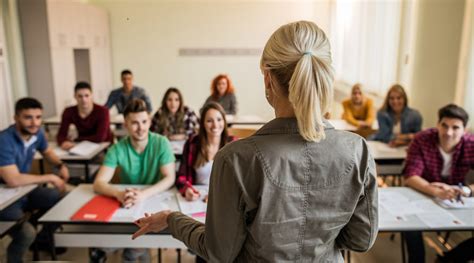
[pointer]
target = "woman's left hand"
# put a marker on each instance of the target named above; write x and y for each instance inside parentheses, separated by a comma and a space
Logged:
(152, 223)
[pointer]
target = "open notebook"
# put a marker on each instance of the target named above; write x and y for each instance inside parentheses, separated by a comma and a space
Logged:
(194, 208)
(84, 148)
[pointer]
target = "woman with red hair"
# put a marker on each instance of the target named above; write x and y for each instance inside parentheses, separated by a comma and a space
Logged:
(222, 92)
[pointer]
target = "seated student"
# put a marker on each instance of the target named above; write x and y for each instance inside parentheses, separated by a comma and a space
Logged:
(358, 109)
(222, 92)
(92, 121)
(144, 158)
(199, 150)
(19, 143)
(121, 96)
(398, 123)
(174, 120)
(437, 163)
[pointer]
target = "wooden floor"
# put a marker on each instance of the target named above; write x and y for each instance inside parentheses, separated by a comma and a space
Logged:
(384, 250)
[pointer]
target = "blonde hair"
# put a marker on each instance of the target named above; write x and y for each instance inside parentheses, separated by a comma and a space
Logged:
(298, 56)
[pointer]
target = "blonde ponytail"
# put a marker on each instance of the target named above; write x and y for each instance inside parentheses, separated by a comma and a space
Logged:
(298, 55)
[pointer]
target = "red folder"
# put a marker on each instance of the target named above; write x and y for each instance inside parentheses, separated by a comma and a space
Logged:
(98, 209)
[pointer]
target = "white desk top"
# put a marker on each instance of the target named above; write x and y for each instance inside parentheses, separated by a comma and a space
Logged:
(10, 195)
(71, 203)
(65, 156)
(56, 120)
(412, 222)
(381, 151)
(340, 124)
(245, 119)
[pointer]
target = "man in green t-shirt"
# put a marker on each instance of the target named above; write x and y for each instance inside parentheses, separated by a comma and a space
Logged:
(144, 158)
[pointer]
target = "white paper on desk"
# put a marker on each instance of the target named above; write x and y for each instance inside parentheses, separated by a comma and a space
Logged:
(193, 207)
(435, 220)
(7, 193)
(84, 148)
(391, 196)
(468, 203)
(151, 205)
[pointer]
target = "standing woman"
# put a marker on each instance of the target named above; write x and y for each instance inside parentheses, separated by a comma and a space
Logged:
(200, 150)
(222, 92)
(358, 109)
(173, 119)
(297, 190)
(398, 123)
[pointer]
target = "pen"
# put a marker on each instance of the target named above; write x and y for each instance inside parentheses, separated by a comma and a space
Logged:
(458, 198)
(192, 188)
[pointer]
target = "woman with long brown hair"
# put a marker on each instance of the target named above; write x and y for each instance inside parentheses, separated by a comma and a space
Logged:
(398, 123)
(200, 150)
(173, 119)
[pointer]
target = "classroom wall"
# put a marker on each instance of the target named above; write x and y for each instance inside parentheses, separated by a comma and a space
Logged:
(146, 37)
(436, 56)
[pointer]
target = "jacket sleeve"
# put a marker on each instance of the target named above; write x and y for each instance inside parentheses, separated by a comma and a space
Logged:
(221, 239)
(385, 130)
(361, 231)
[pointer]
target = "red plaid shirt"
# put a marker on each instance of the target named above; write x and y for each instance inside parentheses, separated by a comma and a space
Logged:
(186, 172)
(425, 160)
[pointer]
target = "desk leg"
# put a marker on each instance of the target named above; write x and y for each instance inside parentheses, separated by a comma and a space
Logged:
(41, 166)
(402, 245)
(52, 243)
(159, 255)
(88, 179)
(178, 251)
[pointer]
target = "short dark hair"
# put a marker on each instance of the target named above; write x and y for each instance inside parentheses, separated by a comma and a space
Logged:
(126, 72)
(453, 111)
(82, 85)
(27, 103)
(135, 106)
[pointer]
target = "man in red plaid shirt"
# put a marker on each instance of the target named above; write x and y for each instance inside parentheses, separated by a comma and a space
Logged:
(437, 163)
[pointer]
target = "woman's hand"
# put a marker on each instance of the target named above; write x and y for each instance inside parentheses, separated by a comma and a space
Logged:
(190, 195)
(152, 223)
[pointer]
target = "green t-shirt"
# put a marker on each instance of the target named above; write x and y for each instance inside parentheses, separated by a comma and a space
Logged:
(143, 168)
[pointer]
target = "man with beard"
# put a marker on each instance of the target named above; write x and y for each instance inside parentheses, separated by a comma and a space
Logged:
(19, 143)
(144, 158)
(437, 163)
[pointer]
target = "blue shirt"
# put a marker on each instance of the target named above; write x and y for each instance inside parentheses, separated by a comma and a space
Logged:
(14, 150)
(119, 99)
(410, 122)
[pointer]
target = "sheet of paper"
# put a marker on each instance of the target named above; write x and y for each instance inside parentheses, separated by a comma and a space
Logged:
(467, 203)
(193, 207)
(153, 204)
(436, 220)
(84, 148)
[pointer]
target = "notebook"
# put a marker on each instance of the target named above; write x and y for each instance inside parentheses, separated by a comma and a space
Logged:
(98, 209)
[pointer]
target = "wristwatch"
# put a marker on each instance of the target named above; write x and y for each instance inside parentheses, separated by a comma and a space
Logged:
(467, 190)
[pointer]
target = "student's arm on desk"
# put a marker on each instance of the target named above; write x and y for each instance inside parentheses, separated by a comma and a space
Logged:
(53, 159)
(13, 178)
(102, 184)
(435, 189)
(169, 176)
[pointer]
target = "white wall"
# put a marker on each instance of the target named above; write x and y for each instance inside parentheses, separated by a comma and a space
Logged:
(436, 56)
(146, 37)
